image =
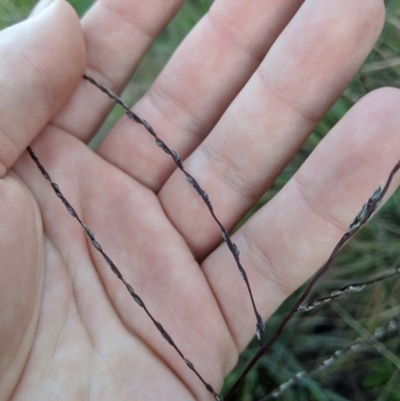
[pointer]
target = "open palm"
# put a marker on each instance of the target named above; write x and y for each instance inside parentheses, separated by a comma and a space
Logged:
(236, 115)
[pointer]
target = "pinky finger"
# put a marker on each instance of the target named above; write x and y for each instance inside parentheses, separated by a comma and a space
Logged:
(292, 236)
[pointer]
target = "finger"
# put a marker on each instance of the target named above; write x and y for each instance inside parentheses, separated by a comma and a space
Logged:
(294, 234)
(41, 62)
(198, 84)
(117, 35)
(306, 70)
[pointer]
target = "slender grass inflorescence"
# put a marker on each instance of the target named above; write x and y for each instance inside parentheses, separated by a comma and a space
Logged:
(390, 329)
(350, 288)
(362, 217)
(115, 270)
(199, 190)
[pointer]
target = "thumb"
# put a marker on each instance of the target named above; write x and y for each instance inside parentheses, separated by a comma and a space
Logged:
(41, 62)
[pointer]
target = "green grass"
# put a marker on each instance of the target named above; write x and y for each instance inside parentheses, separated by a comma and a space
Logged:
(366, 375)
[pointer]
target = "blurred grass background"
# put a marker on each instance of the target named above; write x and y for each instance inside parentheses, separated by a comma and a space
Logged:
(362, 376)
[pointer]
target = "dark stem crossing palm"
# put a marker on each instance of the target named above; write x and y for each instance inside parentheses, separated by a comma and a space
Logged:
(362, 217)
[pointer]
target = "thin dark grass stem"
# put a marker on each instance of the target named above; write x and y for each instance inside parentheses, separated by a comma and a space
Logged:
(362, 217)
(199, 190)
(116, 271)
(348, 289)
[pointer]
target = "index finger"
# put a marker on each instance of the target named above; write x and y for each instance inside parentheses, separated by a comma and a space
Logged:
(117, 34)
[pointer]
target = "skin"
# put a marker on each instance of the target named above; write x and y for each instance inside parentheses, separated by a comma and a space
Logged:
(236, 101)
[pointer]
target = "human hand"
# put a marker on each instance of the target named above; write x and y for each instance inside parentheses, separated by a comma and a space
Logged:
(68, 329)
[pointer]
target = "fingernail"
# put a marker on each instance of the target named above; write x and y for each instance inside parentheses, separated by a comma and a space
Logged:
(42, 5)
